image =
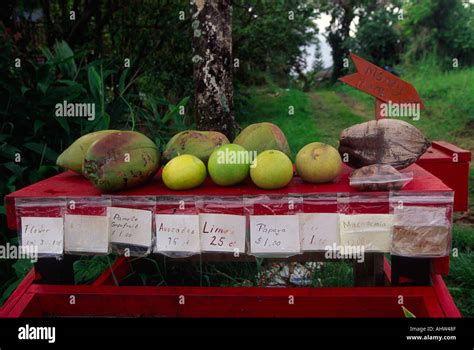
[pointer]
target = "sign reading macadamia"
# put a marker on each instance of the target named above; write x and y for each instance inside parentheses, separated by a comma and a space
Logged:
(274, 234)
(222, 232)
(372, 231)
(177, 233)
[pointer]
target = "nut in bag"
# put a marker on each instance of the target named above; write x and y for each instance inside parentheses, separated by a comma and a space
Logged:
(422, 224)
(379, 177)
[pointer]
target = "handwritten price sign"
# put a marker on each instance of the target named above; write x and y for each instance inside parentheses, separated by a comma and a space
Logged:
(177, 233)
(318, 231)
(45, 233)
(130, 226)
(222, 232)
(372, 231)
(86, 234)
(274, 234)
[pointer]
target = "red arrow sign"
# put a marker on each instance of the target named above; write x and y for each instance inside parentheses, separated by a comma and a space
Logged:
(384, 86)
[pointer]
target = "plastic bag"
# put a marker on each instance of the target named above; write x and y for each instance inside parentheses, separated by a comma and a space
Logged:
(422, 224)
(177, 226)
(365, 224)
(274, 225)
(319, 223)
(131, 224)
(40, 226)
(222, 224)
(87, 226)
(379, 177)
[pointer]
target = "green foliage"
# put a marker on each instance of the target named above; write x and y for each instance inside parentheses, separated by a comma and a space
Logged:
(266, 38)
(378, 36)
(87, 269)
(32, 136)
(443, 27)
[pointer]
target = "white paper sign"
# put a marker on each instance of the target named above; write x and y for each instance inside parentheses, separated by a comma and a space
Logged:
(130, 226)
(177, 233)
(372, 231)
(318, 231)
(86, 234)
(45, 233)
(222, 232)
(274, 234)
(420, 216)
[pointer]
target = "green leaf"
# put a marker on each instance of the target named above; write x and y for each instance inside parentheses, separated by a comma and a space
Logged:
(95, 84)
(43, 87)
(24, 89)
(65, 59)
(123, 78)
(42, 150)
(15, 169)
(38, 124)
(8, 151)
(21, 267)
(407, 313)
(64, 124)
(11, 288)
(174, 110)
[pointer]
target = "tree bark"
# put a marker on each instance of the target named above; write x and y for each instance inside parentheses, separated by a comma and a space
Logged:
(212, 57)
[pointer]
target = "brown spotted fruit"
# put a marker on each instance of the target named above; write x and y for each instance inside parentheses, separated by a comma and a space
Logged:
(386, 141)
(73, 157)
(120, 161)
(200, 144)
(261, 137)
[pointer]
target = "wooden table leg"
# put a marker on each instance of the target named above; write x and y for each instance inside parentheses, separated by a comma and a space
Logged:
(53, 271)
(416, 270)
(369, 273)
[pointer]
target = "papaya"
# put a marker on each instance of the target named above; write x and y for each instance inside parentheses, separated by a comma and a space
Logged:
(261, 137)
(73, 156)
(121, 161)
(197, 143)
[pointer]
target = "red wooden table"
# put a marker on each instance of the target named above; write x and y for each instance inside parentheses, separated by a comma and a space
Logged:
(104, 298)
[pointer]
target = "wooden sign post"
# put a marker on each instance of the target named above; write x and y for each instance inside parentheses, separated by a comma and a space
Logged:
(384, 86)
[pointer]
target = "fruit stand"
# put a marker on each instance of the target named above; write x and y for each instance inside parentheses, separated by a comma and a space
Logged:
(378, 284)
(113, 198)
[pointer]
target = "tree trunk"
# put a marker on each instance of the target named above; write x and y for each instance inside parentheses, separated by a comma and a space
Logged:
(212, 57)
(337, 37)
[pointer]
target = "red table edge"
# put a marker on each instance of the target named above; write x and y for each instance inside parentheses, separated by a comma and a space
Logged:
(25, 293)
